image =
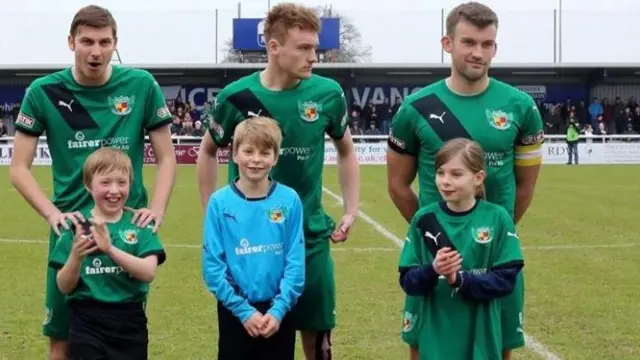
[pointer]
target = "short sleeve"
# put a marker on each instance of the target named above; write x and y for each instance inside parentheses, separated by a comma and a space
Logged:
(528, 146)
(61, 250)
(508, 249)
(338, 115)
(402, 137)
(30, 119)
(151, 245)
(224, 119)
(157, 113)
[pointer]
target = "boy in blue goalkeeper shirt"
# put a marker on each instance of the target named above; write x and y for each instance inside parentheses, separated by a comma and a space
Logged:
(253, 254)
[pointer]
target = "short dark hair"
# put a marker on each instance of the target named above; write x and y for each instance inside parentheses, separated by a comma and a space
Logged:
(479, 15)
(93, 16)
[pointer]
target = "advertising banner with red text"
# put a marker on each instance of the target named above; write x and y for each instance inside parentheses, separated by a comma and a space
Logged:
(185, 154)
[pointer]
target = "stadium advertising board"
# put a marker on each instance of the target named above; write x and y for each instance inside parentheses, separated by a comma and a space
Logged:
(248, 34)
(198, 94)
(375, 153)
(185, 154)
(362, 94)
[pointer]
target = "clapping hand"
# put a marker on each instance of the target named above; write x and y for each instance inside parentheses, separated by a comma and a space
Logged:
(100, 234)
(447, 263)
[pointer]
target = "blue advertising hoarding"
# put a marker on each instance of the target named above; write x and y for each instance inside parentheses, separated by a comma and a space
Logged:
(248, 34)
(10, 95)
(198, 94)
(362, 94)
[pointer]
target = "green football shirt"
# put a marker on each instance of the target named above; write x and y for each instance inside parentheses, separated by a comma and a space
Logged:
(315, 107)
(503, 120)
(78, 120)
(455, 328)
(101, 278)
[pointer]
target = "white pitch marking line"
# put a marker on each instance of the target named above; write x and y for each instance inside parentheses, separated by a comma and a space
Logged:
(531, 343)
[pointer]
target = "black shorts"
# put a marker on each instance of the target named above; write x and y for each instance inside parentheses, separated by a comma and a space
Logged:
(234, 343)
(100, 331)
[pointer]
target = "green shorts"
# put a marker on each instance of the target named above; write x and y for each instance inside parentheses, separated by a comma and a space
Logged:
(56, 323)
(411, 324)
(316, 307)
(512, 318)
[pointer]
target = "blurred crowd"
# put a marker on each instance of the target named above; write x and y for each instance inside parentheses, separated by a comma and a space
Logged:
(599, 117)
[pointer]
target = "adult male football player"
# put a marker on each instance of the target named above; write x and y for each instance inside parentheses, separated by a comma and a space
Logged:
(307, 107)
(468, 104)
(80, 109)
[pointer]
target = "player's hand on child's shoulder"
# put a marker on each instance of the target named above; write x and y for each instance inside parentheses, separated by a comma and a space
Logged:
(100, 234)
(83, 244)
(447, 262)
(143, 217)
(253, 325)
(270, 326)
(59, 219)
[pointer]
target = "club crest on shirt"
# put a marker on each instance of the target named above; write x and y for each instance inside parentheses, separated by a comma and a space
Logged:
(482, 235)
(309, 111)
(409, 321)
(499, 119)
(129, 236)
(276, 215)
(121, 105)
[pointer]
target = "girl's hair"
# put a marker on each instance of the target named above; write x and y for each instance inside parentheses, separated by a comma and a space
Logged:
(471, 154)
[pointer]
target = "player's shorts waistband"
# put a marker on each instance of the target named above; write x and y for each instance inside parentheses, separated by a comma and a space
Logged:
(95, 304)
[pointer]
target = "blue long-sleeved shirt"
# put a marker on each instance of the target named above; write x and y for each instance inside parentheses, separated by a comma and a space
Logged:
(254, 250)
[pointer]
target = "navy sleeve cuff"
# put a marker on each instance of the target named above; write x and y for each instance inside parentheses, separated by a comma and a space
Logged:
(418, 280)
(494, 284)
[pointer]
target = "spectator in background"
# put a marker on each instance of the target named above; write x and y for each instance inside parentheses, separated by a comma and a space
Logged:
(553, 120)
(187, 122)
(193, 111)
(618, 107)
(178, 103)
(581, 113)
(608, 116)
(595, 111)
(356, 107)
(372, 131)
(370, 114)
(602, 130)
(600, 126)
(356, 119)
(635, 119)
(588, 134)
(3, 129)
(622, 119)
(197, 130)
(180, 112)
(356, 130)
(565, 109)
(176, 125)
(384, 113)
(629, 131)
(573, 138)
